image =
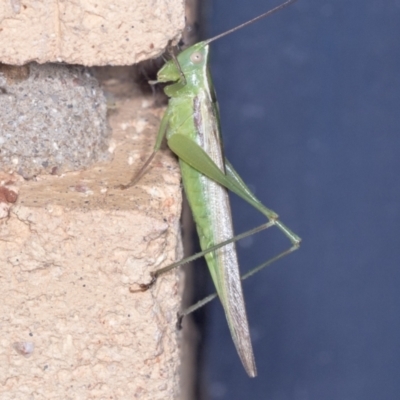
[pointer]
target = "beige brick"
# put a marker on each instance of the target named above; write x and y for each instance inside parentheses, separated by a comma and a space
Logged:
(87, 32)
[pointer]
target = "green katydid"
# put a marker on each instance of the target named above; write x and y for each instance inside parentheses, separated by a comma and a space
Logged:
(191, 125)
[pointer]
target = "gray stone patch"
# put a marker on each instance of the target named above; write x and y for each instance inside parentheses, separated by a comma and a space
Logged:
(52, 119)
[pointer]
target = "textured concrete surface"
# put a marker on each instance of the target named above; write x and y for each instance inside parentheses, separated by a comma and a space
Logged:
(53, 119)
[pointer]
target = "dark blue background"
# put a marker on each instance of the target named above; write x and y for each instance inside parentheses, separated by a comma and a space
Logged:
(310, 111)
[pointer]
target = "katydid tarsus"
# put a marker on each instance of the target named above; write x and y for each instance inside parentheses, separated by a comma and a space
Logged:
(191, 125)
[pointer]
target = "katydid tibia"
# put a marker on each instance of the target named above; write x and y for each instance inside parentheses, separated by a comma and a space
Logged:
(191, 125)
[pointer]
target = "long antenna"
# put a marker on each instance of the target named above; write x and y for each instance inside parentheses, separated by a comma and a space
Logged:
(266, 14)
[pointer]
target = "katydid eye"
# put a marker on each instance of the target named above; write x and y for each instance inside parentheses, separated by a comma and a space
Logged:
(196, 57)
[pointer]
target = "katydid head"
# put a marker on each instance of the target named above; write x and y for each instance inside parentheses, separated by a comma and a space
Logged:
(188, 62)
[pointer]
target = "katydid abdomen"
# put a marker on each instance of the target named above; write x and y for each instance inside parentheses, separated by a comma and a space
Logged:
(209, 203)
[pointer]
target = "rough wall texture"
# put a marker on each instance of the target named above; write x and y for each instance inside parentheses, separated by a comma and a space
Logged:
(88, 32)
(72, 248)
